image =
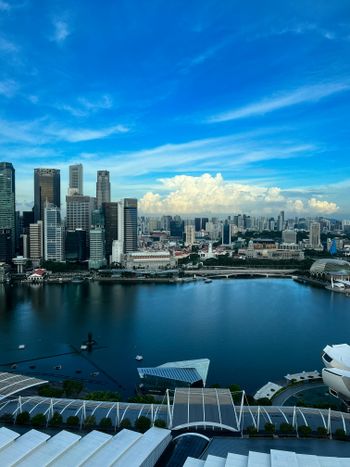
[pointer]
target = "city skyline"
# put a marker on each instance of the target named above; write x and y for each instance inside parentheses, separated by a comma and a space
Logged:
(213, 106)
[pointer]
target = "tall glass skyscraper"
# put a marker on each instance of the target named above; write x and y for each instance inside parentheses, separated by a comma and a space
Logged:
(8, 203)
(103, 188)
(130, 225)
(47, 189)
(75, 179)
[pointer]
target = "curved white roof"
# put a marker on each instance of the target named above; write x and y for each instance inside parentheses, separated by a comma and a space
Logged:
(11, 383)
(340, 353)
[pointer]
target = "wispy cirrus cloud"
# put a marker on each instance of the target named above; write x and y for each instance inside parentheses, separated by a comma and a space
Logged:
(7, 46)
(304, 94)
(85, 106)
(84, 134)
(8, 88)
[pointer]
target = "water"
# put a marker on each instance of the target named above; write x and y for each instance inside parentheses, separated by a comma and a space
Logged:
(253, 331)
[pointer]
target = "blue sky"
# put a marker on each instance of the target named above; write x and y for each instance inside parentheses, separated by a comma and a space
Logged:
(194, 106)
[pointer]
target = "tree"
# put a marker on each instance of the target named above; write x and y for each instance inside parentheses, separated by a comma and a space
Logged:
(340, 433)
(125, 423)
(270, 428)
(143, 424)
(264, 401)
(286, 428)
(251, 430)
(72, 388)
(23, 418)
(56, 419)
(38, 420)
(304, 431)
(73, 420)
(90, 421)
(321, 431)
(160, 423)
(105, 424)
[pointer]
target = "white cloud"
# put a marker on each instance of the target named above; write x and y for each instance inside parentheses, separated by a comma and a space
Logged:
(7, 46)
(85, 107)
(61, 31)
(4, 6)
(324, 207)
(212, 194)
(279, 101)
(8, 88)
(84, 134)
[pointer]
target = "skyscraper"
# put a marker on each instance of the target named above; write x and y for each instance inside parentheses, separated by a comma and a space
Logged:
(8, 203)
(36, 249)
(103, 188)
(53, 234)
(47, 189)
(75, 179)
(97, 251)
(78, 212)
(110, 215)
(315, 235)
(130, 224)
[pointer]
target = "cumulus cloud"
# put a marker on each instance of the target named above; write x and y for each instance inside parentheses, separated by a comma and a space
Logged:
(212, 194)
(321, 206)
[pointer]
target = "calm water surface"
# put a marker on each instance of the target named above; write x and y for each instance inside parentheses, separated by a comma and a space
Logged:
(253, 331)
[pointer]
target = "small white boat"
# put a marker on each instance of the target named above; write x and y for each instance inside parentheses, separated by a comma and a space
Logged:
(207, 281)
(57, 367)
(95, 373)
(83, 347)
(21, 347)
(139, 357)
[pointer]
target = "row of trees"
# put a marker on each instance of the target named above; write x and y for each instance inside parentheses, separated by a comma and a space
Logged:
(38, 420)
(302, 430)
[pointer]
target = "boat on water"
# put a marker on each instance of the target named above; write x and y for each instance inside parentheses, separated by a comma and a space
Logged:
(207, 281)
(83, 347)
(95, 373)
(57, 367)
(21, 347)
(139, 358)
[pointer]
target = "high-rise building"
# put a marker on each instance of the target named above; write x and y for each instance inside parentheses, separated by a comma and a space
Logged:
(177, 228)
(5, 245)
(97, 251)
(110, 215)
(78, 214)
(226, 233)
(75, 179)
(315, 235)
(190, 234)
(47, 189)
(197, 224)
(103, 188)
(8, 204)
(36, 241)
(289, 236)
(75, 246)
(130, 224)
(53, 234)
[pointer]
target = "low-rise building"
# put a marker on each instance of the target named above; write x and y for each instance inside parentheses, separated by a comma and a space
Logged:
(150, 260)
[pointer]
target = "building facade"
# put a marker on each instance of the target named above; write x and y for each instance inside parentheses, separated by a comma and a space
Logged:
(47, 189)
(97, 248)
(8, 205)
(53, 234)
(130, 225)
(103, 188)
(75, 179)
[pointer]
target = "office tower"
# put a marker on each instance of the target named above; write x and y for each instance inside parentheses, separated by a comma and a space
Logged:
(177, 228)
(315, 235)
(103, 188)
(8, 204)
(36, 250)
(27, 219)
(165, 222)
(190, 234)
(280, 221)
(76, 245)
(226, 233)
(204, 222)
(289, 236)
(110, 215)
(130, 224)
(75, 179)
(47, 189)
(53, 234)
(97, 219)
(78, 214)
(97, 251)
(6, 245)
(197, 224)
(117, 251)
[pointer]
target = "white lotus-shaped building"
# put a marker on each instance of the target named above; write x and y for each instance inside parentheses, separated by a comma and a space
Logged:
(336, 375)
